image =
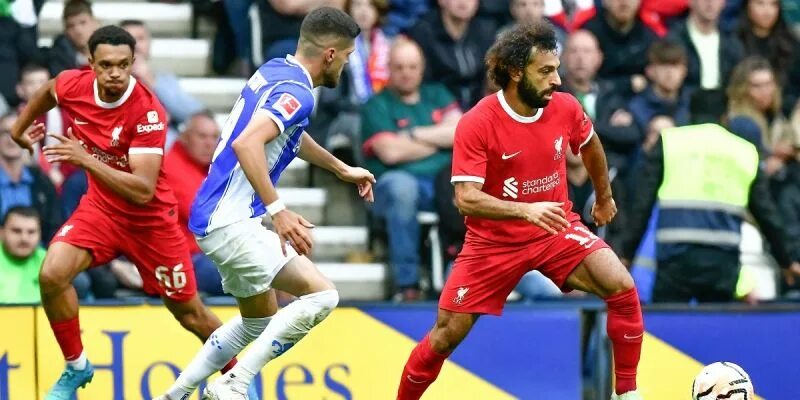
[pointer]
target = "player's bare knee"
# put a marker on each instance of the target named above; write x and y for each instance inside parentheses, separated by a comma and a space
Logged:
(621, 282)
(449, 331)
(52, 281)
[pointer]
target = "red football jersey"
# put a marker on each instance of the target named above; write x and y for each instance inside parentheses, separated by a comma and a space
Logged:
(111, 132)
(518, 158)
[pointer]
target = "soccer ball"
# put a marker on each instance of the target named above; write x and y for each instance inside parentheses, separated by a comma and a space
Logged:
(722, 380)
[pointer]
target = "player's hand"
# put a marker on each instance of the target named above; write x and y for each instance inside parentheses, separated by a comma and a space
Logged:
(792, 273)
(362, 178)
(294, 229)
(33, 134)
(69, 150)
(546, 215)
(604, 211)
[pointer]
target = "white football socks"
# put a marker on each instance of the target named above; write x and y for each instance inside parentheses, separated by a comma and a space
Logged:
(287, 327)
(224, 344)
(79, 363)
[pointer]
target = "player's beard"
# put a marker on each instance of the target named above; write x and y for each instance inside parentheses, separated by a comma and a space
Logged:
(530, 96)
(330, 79)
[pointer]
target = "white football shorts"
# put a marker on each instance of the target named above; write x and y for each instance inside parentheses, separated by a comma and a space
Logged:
(248, 256)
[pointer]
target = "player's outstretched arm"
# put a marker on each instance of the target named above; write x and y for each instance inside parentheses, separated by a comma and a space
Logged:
(249, 149)
(315, 154)
(594, 158)
(42, 101)
(472, 201)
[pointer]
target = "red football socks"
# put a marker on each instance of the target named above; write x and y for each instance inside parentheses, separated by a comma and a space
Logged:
(229, 365)
(421, 370)
(625, 329)
(68, 336)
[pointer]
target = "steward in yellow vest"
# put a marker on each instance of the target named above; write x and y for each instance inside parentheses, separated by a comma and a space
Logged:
(704, 180)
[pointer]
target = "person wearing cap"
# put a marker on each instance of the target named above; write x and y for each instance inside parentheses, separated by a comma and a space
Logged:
(705, 178)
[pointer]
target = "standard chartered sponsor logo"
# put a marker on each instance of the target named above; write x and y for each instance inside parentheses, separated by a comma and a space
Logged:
(540, 185)
(510, 188)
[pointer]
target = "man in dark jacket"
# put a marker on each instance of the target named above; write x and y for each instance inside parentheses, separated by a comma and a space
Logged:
(624, 40)
(71, 49)
(721, 51)
(454, 43)
(16, 50)
(22, 185)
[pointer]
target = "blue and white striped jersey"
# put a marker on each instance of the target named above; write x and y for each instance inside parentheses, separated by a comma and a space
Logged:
(282, 89)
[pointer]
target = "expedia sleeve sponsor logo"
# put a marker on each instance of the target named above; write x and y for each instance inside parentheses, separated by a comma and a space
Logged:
(149, 127)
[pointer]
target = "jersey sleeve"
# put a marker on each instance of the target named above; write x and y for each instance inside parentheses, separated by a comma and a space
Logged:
(288, 104)
(582, 127)
(65, 83)
(150, 131)
(469, 151)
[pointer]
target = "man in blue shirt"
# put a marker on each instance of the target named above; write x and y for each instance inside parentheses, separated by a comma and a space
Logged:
(264, 133)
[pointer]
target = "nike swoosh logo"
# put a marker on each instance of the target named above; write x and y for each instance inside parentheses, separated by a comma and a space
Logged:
(632, 337)
(506, 157)
(79, 122)
(413, 381)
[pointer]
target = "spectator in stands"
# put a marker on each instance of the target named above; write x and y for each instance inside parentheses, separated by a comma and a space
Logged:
(657, 124)
(16, 49)
(527, 11)
(606, 108)
(21, 256)
(700, 214)
(179, 104)
(32, 77)
(754, 93)
(666, 70)
(186, 166)
(787, 196)
(368, 64)
(454, 43)
(407, 131)
(712, 54)
(71, 49)
(404, 14)
(337, 122)
(764, 32)
(24, 185)
(624, 40)
(280, 23)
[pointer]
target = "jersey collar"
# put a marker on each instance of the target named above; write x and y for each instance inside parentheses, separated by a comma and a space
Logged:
(290, 58)
(513, 114)
(117, 103)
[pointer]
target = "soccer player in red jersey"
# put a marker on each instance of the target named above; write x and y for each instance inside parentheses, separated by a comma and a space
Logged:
(509, 172)
(117, 135)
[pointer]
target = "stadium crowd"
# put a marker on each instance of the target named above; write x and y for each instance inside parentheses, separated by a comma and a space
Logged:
(637, 67)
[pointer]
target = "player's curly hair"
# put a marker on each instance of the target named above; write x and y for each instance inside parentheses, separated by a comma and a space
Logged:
(512, 50)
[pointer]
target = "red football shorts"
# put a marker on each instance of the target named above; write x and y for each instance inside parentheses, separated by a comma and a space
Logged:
(160, 254)
(484, 275)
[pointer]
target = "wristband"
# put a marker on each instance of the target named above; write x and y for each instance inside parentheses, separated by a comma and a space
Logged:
(276, 207)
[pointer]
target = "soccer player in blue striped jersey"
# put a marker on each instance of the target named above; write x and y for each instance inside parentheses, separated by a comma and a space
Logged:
(265, 131)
